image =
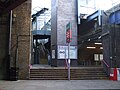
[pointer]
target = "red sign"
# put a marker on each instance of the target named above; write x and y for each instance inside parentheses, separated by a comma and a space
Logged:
(68, 33)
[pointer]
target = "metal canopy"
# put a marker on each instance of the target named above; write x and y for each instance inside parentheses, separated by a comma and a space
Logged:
(114, 18)
(7, 5)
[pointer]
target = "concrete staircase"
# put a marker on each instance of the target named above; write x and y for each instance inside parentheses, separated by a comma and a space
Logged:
(84, 73)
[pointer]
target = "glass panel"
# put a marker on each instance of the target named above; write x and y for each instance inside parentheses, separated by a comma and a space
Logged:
(96, 57)
(101, 57)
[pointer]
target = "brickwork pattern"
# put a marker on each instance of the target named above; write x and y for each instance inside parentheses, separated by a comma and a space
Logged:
(21, 29)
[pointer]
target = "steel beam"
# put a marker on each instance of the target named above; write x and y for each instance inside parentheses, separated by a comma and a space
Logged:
(97, 15)
(41, 32)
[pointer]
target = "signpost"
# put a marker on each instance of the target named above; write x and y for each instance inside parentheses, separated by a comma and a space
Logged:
(68, 40)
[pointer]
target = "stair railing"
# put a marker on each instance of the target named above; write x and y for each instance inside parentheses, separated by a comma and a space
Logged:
(106, 63)
(108, 67)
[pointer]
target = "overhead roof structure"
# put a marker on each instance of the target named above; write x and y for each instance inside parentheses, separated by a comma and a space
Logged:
(7, 5)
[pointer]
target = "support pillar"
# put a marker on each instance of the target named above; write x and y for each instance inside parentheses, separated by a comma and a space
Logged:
(63, 11)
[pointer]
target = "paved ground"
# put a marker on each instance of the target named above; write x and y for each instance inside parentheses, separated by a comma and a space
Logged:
(59, 85)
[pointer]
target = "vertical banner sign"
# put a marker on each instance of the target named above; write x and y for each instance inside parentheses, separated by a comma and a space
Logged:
(68, 33)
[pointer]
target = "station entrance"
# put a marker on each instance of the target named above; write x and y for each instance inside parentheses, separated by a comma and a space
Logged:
(90, 55)
(90, 49)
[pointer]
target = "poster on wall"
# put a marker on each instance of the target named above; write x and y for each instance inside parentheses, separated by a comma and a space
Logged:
(63, 52)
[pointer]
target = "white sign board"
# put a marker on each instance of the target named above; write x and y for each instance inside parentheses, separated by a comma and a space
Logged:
(63, 52)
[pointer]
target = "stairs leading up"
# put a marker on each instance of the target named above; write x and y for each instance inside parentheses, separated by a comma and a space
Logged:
(84, 73)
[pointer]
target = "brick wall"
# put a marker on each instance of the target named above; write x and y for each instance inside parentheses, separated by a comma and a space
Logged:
(22, 29)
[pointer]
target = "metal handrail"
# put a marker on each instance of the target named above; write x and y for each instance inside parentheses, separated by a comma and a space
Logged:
(106, 63)
(108, 67)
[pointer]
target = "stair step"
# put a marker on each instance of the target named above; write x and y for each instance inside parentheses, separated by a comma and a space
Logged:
(48, 78)
(61, 74)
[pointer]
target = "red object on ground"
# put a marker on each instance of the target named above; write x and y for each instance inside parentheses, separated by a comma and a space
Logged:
(114, 75)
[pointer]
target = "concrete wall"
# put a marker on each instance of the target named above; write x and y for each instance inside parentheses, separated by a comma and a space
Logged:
(63, 11)
(22, 29)
(66, 12)
(54, 4)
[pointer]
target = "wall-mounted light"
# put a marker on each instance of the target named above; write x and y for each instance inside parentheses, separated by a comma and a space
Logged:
(88, 39)
(14, 17)
(101, 47)
(98, 43)
(91, 47)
